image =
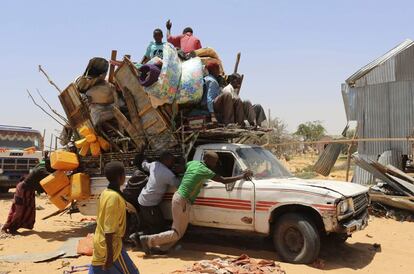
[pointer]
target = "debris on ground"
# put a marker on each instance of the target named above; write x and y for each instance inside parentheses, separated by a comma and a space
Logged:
(393, 194)
(241, 265)
(67, 250)
(4, 235)
(39, 207)
(85, 245)
(74, 269)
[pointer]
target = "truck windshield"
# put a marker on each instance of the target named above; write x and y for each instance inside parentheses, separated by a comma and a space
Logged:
(263, 163)
(20, 141)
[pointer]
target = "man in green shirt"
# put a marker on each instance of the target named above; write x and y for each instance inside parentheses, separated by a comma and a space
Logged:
(196, 173)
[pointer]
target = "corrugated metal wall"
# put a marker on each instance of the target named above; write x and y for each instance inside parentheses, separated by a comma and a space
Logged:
(381, 74)
(385, 111)
(382, 101)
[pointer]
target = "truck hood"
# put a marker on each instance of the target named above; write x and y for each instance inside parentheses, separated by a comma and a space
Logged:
(346, 189)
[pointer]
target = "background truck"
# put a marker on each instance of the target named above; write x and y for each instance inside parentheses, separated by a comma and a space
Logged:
(20, 151)
(294, 212)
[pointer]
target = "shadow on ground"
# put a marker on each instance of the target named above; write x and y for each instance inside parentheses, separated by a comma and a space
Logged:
(74, 229)
(334, 255)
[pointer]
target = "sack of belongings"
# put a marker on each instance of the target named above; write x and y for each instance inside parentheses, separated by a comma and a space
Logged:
(95, 71)
(191, 84)
(164, 90)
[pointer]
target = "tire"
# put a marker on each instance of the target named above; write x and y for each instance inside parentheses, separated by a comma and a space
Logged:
(4, 189)
(296, 239)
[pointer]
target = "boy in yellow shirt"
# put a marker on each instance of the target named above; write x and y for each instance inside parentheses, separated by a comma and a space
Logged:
(108, 255)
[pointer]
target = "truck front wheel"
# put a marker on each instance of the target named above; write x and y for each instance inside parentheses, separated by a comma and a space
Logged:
(296, 239)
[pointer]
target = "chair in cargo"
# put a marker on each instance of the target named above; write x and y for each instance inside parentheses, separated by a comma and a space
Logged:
(153, 125)
(76, 110)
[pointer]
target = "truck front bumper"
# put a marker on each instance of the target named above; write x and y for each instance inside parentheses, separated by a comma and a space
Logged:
(355, 224)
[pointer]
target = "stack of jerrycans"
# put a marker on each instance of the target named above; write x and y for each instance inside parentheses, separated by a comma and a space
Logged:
(60, 188)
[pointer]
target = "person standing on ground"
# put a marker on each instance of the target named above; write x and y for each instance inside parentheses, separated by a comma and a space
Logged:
(196, 173)
(155, 48)
(187, 42)
(160, 178)
(108, 253)
(22, 213)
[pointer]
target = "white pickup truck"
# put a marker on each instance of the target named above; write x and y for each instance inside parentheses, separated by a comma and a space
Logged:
(295, 212)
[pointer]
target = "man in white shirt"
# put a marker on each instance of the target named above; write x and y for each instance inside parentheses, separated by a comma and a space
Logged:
(243, 110)
(160, 179)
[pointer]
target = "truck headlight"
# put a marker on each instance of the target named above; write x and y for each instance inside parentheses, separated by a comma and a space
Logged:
(344, 207)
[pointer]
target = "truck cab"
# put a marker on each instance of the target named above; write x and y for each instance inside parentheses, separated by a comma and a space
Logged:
(295, 212)
(20, 151)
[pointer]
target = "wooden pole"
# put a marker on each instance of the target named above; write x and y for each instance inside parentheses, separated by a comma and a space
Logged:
(51, 141)
(268, 123)
(112, 67)
(348, 158)
(236, 66)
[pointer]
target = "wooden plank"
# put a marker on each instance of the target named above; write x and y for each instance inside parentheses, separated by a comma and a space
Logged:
(145, 110)
(399, 173)
(126, 77)
(112, 67)
(236, 66)
(400, 202)
(403, 183)
(139, 141)
(132, 109)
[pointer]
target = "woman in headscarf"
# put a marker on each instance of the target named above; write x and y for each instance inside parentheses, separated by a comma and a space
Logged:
(22, 213)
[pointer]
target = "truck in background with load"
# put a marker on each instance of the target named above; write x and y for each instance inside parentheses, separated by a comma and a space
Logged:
(20, 151)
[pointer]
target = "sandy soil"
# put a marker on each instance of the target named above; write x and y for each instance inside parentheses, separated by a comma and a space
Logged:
(358, 254)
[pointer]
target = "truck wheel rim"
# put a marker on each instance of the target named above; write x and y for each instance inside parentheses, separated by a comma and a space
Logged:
(293, 240)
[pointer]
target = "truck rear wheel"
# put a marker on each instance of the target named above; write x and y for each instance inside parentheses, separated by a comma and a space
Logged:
(296, 239)
(4, 189)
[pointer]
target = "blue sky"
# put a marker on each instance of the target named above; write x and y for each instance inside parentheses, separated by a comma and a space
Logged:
(295, 54)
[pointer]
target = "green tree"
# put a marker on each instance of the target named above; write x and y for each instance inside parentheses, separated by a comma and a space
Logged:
(311, 130)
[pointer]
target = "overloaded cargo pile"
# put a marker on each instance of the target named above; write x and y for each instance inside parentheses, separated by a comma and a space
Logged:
(117, 110)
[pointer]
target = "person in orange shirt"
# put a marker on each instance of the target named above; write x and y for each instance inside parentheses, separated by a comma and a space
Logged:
(187, 42)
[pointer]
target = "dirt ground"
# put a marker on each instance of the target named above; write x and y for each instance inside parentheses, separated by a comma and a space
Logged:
(395, 254)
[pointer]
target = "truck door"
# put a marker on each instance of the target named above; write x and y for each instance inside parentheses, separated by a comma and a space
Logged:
(217, 206)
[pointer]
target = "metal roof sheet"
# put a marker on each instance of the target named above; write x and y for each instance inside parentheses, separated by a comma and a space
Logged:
(377, 62)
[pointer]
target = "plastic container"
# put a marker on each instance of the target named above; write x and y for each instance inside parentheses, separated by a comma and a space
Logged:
(53, 183)
(104, 144)
(62, 198)
(84, 130)
(80, 186)
(84, 150)
(90, 138)
(63, 160)
(80, 143)
(95, 149)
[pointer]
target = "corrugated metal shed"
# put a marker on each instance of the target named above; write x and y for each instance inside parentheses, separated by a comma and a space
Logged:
(380, 97)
